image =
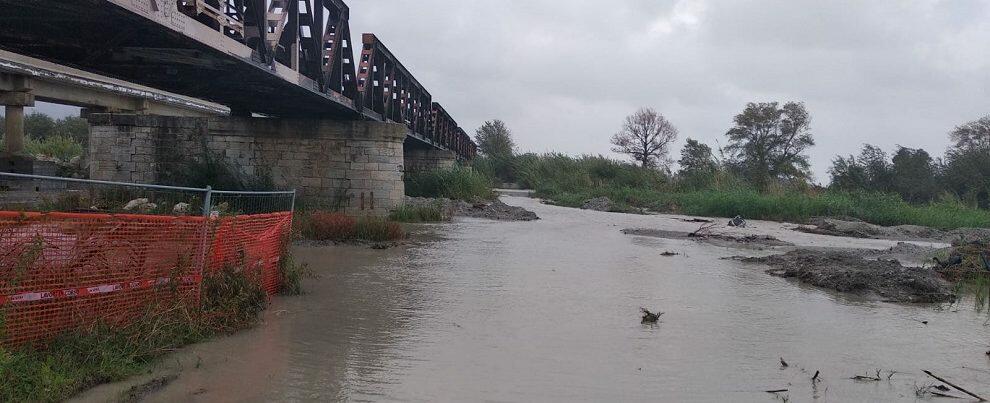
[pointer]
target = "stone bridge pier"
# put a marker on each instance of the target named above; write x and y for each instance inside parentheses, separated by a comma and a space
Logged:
(354, 166)
(420, 157)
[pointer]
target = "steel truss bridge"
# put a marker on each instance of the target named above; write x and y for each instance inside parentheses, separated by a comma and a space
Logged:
(280, 58)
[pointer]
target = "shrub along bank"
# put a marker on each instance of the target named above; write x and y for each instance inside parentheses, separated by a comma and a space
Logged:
(569, 181)
(231, 300)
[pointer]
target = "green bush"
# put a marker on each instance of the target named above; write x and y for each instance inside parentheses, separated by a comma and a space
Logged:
(337, 227)
(461, 183)
(419, 214)
(378, 230)
(110, 352)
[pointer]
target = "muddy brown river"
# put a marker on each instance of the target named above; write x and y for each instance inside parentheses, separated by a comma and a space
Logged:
(549, 311)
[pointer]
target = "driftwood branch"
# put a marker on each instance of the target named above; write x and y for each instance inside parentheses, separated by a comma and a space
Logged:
(955, 386)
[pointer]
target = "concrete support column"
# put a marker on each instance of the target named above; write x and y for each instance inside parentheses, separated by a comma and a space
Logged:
(14, 115)
(14, 129)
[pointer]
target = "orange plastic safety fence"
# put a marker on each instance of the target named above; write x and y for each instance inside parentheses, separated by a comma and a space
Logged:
(61, 271)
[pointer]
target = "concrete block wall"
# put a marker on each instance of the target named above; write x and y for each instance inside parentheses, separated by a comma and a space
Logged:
(356, 164)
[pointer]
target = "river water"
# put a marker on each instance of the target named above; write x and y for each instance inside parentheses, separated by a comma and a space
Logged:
(549, 311)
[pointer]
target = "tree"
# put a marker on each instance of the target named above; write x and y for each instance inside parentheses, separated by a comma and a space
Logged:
(871, 170)
(73, 127)
(974, 135)
(696, 159)
(39, 126)
(848, 174)
(646, 137)
(768, 142)
(495, 140)
(915, 175)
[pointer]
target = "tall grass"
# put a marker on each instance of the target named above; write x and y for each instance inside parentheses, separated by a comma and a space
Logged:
(571, 181)
(419, 214)
(337, 227)
(462, 183)
(108, 352)
(62, 147)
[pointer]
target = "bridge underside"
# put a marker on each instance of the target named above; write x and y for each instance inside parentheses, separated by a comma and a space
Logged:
(108, 39)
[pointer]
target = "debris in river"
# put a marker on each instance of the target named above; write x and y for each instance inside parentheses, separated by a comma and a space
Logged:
(954, 386)
(703, 231)
(783, 364)
(738, 221)
(867, 378)
(815, 379)
(964, 260)
(650, 317)
(138, 393)
(669, 254)
(696, 220)
(777, 391)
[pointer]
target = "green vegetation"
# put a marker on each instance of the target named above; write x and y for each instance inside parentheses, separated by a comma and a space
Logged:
(419, 214)
(292, 275)
(461, 183)
(337, 227)
(571, 181)
(61, 147)
(762, 173)
(63, 138)
(106, 352)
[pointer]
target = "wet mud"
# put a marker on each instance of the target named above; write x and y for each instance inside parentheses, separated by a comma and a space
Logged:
(851, 272)
(859, 229)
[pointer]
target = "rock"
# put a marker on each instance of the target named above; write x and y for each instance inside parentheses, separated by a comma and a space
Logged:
(142, 205)
(135, 204)
(181, 208)
(737, 222)
(599, 204)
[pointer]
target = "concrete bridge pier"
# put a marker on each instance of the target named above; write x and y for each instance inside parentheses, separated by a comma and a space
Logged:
(353, 166)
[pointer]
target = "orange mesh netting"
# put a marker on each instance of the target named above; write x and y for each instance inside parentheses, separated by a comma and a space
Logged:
(60, 271)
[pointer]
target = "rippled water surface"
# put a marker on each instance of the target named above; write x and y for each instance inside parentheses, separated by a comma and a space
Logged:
(548, 311)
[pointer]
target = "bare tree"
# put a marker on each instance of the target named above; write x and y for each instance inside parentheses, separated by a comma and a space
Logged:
(646, 137)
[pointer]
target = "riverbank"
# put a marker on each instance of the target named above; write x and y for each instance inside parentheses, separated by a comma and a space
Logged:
(485, 304)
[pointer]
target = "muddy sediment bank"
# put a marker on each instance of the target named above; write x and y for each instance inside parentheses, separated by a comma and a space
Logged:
(717, 239)
(493, 210)
(852, 272)
(860, 229)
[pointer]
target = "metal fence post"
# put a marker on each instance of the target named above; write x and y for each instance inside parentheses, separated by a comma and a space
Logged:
(204, 244)
(207, 201)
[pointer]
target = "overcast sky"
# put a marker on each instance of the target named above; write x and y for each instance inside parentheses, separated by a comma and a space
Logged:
(564, 74)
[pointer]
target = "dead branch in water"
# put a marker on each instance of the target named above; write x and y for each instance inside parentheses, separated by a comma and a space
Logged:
(815, 378)
(777, 391)
(704, 230)
(868, 378)
(954, 386)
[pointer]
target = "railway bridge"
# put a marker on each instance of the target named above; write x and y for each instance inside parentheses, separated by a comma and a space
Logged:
(272, 88)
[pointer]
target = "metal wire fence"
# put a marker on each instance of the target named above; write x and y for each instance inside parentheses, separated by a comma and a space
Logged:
(74, 251)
